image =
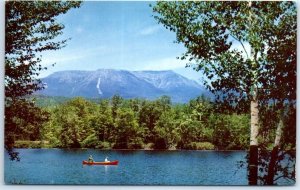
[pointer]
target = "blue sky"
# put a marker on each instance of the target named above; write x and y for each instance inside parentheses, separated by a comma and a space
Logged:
(116, 35)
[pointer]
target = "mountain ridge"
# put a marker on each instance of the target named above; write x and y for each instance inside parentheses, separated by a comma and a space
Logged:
(104, 83)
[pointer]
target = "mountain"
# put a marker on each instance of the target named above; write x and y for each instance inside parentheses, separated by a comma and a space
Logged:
(104, 83)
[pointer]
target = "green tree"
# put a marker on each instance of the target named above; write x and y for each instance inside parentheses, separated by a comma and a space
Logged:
(103, 122)
(166, 131)
(210, 32)
(70, 128)
(281, 90)
(222, 136)
(148, 115)
(75, 121)
(164, 103)
(24, 128)
(189, 132)
(128, 133)
(195, 124)
(116, 102)
(200, 109)
(230, 131)
(51, 130)
(30, 28)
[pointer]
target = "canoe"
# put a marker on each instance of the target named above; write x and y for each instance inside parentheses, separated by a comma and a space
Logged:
(115, 162)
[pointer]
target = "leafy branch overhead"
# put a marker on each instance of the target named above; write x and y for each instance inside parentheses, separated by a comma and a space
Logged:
(31, 27)
(223, 39)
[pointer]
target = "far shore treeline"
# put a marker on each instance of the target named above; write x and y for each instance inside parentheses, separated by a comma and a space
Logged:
(119, 123)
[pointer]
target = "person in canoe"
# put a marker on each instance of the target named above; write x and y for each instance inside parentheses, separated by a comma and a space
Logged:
(106, 159)
(90, 159)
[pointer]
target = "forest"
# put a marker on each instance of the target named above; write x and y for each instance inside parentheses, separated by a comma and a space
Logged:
(119, 123)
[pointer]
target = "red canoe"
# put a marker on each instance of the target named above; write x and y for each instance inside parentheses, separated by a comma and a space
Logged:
(100, 163)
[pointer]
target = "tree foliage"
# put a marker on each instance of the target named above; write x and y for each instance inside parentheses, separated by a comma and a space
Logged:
(217, 36)
(30, 28)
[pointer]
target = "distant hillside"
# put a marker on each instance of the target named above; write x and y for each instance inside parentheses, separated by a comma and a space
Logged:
(45, 101)
(105, 83)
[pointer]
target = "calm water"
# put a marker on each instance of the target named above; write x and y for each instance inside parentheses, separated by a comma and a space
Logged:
(58, 166)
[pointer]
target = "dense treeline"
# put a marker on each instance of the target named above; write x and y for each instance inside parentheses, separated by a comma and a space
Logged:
(119, 123)
(137, 123)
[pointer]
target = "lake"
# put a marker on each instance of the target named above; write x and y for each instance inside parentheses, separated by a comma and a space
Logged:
(64, 166)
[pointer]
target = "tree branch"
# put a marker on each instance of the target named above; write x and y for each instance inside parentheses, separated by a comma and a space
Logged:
(282, 176)
(241, 44)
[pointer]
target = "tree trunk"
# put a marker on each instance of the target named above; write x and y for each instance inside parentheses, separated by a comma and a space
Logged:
(271, 168)
(274, 154)
(253, 153)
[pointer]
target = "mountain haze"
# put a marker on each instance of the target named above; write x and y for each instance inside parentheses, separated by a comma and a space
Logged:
(104, 83)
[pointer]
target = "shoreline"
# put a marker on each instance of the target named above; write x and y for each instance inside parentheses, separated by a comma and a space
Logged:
(47, 145)
(132, 149)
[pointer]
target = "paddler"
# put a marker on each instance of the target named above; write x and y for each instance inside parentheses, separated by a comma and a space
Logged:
(90, 159)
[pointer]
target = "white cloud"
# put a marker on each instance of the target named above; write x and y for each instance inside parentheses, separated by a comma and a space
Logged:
(169, 63)
(79, 29)
(60, 58)
(150, 30)
(65, 57)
